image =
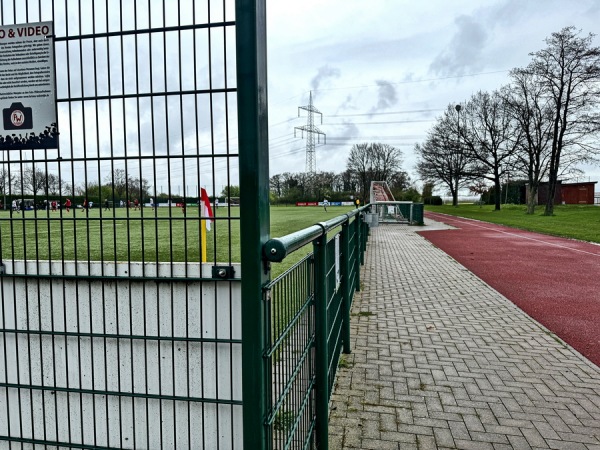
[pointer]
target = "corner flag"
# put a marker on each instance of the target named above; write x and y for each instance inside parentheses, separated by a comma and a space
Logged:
(206, 209)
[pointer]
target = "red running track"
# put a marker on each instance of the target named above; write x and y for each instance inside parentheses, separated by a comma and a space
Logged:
(554, 280)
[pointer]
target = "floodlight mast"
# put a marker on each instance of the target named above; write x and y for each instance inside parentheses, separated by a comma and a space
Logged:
(311, 131)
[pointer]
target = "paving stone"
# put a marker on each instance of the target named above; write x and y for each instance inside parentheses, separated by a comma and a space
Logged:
(443, 437)
(519, 443)
(473, 445)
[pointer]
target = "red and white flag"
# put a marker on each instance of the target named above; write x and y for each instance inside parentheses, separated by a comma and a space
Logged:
(206, 209)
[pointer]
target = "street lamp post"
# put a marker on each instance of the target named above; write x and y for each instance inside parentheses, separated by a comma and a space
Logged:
(458, 108)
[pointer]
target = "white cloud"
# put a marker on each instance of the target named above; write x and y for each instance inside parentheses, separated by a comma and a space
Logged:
(464, 53)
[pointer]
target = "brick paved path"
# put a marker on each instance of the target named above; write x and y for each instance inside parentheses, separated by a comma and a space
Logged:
(441, 360)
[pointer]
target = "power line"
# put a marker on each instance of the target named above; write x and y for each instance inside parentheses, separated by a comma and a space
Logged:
(424, 80)
(383, 123)
(388, 113)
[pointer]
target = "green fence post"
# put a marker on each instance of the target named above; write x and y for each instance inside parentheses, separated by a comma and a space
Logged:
(321, 356)
(346, 284)
(363, 237)
(357, 250)
(251, 54)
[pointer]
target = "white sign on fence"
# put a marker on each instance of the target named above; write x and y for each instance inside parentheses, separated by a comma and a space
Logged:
(27, 87)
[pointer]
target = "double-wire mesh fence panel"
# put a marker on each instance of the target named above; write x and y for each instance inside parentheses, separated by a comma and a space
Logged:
(120, 318)
(308, 317)
(291, 355)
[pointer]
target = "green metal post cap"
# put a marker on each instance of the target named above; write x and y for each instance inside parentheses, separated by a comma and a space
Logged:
(275, 250)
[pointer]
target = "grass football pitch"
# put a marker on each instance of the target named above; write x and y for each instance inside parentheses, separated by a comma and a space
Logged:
(150, 235)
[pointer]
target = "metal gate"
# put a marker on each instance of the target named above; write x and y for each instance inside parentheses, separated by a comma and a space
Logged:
(120, 320)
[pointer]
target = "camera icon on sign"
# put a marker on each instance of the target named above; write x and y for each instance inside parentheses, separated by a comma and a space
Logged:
(17, 117)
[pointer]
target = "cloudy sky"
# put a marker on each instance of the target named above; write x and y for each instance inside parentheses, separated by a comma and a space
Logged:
(382, 70)
(378, 70)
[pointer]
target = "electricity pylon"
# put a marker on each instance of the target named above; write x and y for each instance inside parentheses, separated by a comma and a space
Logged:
(311, 131)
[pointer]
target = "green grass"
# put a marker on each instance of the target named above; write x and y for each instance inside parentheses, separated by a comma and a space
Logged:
(284, 420)
(118, 235)
(572, 221)
(287, 219)
(161, 235)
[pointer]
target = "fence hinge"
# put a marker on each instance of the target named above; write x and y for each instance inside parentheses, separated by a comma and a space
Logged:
(223, 272)
(267, 296)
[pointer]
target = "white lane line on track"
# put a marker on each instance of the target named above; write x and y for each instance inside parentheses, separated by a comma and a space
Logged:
(470, 222)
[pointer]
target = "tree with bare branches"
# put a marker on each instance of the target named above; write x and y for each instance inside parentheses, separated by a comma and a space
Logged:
(568, 70)
(532, 114)
(490, 137)
(442, 158)
(373, 162)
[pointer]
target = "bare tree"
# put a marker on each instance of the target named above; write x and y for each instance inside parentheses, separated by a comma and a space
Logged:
(349, 181)
(119, 181)
(441, 158)
(53, 184)
(126, 186)
(479, 187)
(32, 180)
(490, 136)
(532, 114)
(6, 181)
(324, 183)
(373, 162)
(276, 185)
(67, 189)
(568, 71)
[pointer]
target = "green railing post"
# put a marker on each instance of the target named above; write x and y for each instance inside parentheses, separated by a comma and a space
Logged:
(321, 356)
(346, 284)
(363, 242)
(253, 139)
(357, 250)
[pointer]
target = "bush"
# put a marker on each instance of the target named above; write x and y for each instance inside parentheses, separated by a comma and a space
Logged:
(433, 200)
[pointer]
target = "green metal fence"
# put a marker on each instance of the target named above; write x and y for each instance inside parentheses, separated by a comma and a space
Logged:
(398, 212)
(308, 317)
(120, 311)
(135, 327)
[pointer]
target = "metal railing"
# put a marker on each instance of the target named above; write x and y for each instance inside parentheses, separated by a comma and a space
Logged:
(398, 212)
(308, 317)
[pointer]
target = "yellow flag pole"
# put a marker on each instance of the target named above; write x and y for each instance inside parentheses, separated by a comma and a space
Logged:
(203, 239)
